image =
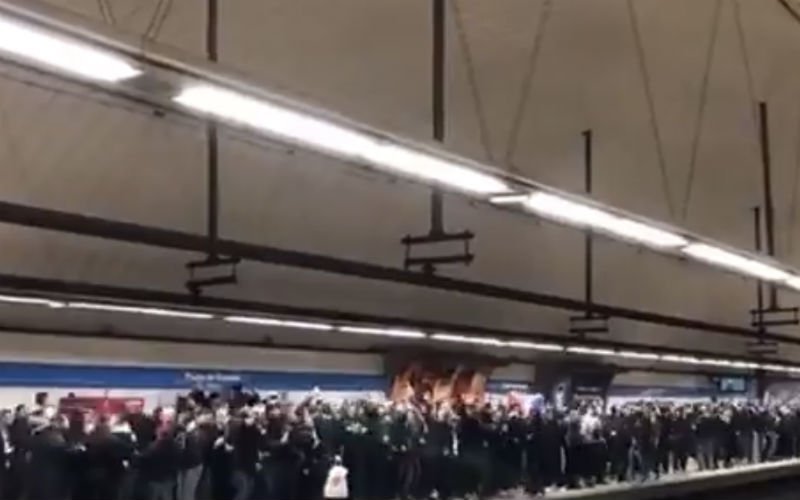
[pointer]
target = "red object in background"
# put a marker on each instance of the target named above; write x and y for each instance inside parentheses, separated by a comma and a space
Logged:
(101, 405)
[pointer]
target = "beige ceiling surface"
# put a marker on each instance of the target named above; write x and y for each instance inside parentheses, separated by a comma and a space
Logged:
(673, 141)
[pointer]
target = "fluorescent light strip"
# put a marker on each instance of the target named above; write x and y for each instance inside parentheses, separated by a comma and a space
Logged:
(461, 339)
(734, 262)
(148, 311)
(260, 321)
(316, 133)
(744, 365)
(44, 47)
(31, 301)
(793, 282)
(590, 351)
(536, 346)
(675, 358)
(426, 166)
(385, 332)
(716, 362)
(638, 355)
(571, 212)
(509, 199)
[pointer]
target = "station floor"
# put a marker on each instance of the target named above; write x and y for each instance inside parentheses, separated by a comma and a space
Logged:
(698, 485)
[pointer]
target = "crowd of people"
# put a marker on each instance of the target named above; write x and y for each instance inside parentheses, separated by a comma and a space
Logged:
(242, 447)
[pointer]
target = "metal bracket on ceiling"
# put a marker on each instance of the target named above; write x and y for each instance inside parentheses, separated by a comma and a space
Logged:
(428, 263)
(762, 347)
(205, 273)
(437, 234)
(588, 323)
(768, 311)
(778, 316)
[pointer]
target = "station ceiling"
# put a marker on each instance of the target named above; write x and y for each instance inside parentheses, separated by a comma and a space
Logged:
(668, 88)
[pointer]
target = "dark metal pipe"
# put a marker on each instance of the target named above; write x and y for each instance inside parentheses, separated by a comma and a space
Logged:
(588, 237)
(84, 290)
(53, 220)
(769, 210)
(438, 104)
(212, 29)
(438, 69)
(212, 152)
(212, 149)
(759, 283)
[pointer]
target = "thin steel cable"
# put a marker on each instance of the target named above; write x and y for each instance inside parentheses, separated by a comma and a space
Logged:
(793, 11)
(101, 7)
(153, 20)
(120, 104)
(743, 48)
(107, 11)
(472, 77)
(646, 81)
(12, 148)
(133, 12)
(164, 16)
(527, 82)
(702, 106)
(795, 188)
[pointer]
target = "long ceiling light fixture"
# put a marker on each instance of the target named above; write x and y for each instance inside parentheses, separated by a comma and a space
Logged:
(535, 346)
(594, 351)
(577, 214)
(734, 262)
(383, 332)
(285, 323)
(147, 311)
(651, 356)
(27, 42)
(465, 339)
(285, 123)
(31, 301)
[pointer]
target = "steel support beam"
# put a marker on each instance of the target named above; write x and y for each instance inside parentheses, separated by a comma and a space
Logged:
(85, 225)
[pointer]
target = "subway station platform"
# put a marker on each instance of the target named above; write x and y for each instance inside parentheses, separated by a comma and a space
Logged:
(689, 484)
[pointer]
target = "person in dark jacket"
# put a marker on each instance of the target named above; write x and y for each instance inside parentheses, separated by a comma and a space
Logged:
(706, 432)
(553, 444)
(191, 467)
(681, 439)
(5, 421)
(159, 464)
(49, 465)
(19, 440)
(245, 442)
(534, 480)
(619, 439)
(105, 460)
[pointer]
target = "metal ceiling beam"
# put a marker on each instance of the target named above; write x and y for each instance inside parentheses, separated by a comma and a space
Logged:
(85, 225)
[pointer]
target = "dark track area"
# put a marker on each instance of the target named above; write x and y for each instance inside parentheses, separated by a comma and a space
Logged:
(788, 489)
